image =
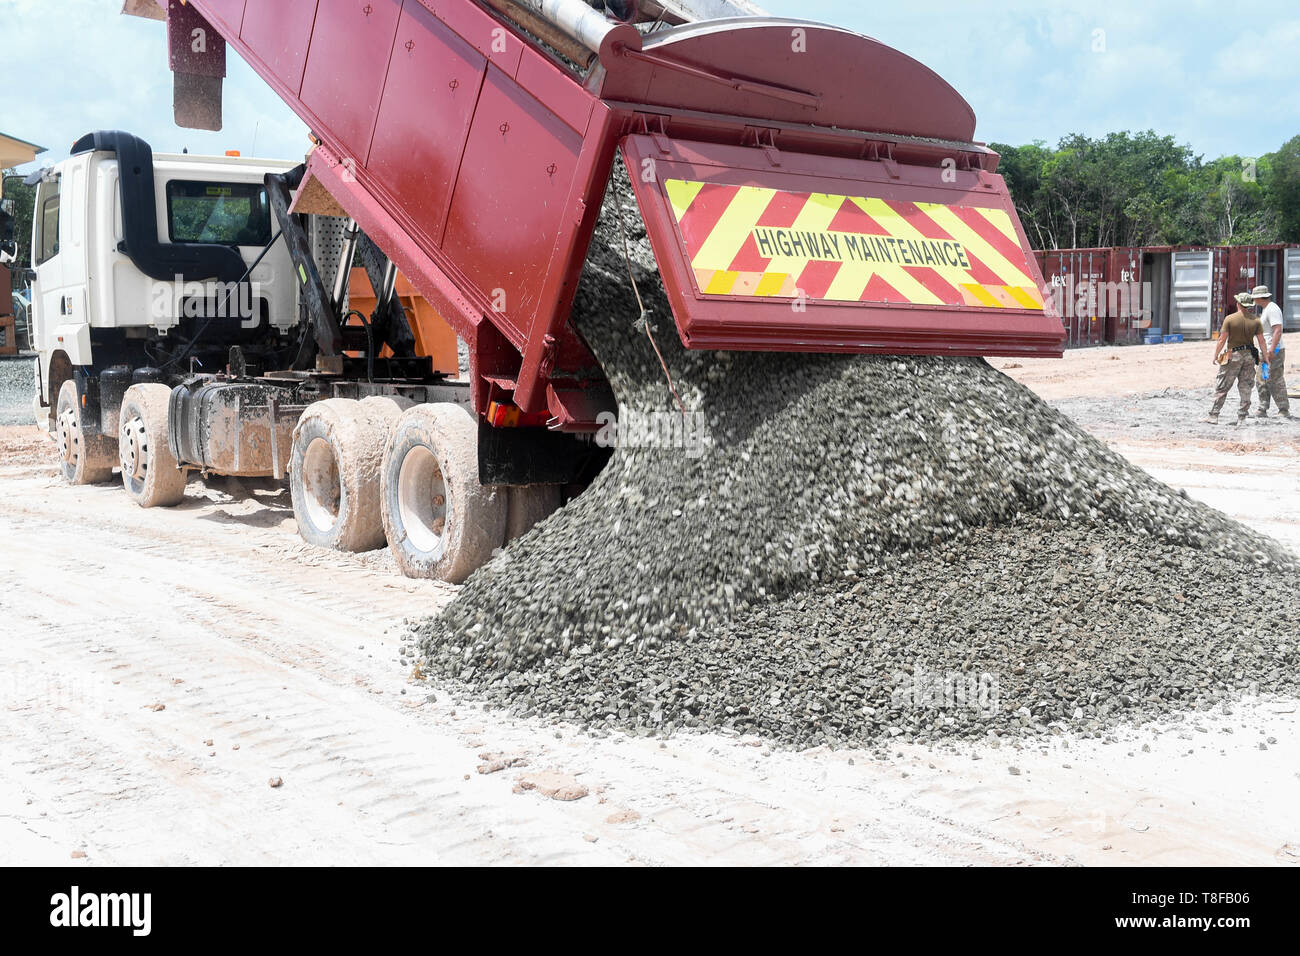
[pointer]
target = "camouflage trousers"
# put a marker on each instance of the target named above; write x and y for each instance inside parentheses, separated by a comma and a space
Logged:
(1238, 370)
(1275, 387)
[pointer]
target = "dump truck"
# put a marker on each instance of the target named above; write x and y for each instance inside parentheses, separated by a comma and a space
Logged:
(803, 188)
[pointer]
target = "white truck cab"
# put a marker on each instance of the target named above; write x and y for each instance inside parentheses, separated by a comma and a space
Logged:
(188, 317)
(121, 280)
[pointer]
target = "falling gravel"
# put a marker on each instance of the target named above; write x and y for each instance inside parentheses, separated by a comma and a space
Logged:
(851, 549)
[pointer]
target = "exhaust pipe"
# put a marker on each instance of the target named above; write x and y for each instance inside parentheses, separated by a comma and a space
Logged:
(580, 23)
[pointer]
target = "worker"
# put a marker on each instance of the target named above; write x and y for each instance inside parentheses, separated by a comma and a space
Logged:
(1274, 387)
(1238, 365)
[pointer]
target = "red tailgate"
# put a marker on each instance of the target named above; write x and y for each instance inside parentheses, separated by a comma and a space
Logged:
(768, 250)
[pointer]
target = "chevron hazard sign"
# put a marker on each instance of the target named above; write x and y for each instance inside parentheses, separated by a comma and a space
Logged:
(756, 242)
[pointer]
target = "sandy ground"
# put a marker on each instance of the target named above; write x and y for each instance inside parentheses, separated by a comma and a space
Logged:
(1149, 403)
(158, 669)
(1115, 370)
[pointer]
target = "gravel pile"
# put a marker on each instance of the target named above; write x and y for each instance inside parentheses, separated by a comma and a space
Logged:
(855, 543)
(16, 391)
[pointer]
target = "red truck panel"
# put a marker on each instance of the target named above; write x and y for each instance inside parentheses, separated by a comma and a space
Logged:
(503, 243)
(478, 162)
(277, 36)
(830, 77)
(763, 249)
(226, 15)
(349, 31)
(435, 85)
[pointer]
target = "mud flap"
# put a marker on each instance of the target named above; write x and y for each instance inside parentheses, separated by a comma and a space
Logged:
(527, 456)
(197, 55)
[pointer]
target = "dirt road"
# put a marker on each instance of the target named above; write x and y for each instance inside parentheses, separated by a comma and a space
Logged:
(160, 668)
(1148, 402)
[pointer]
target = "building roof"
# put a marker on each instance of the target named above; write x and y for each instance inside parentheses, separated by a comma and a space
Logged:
(16, 152)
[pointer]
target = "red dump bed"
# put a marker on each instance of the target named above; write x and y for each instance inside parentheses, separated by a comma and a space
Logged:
(804, 187)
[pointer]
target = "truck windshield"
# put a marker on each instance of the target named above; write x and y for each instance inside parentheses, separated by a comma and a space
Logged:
(231, 214)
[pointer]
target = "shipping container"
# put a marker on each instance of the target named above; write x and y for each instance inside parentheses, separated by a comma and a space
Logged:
(1098, 293)
(1197, 283)
(1124, 295)
(1291, 289)
(1128, 316)
(1074, 278)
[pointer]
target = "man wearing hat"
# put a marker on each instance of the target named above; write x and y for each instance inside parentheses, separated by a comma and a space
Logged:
(1270, 317)
(1239, 367)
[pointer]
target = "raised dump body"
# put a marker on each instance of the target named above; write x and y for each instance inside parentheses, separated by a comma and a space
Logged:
(805, 188)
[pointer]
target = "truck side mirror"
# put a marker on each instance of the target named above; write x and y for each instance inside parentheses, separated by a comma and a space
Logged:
(7, 207)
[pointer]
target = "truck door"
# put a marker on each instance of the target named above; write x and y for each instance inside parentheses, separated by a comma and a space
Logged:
(75, 213)
(47, 288)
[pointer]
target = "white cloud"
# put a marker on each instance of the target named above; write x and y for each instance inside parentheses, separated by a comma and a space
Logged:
(83, 66)
(1272, 55)
(1216, 75)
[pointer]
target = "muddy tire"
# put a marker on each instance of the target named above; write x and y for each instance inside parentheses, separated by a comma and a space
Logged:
(85, 459)
(150, 474)
(529, 504)
(387, 408)
(334, 472)
(441, 522)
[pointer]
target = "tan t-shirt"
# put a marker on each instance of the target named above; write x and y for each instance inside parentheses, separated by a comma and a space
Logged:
(1241, 329)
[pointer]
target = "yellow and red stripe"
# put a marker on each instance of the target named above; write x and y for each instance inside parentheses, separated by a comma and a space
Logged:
(752, 241)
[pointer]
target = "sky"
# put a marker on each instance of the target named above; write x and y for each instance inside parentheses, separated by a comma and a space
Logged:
(1221, 77)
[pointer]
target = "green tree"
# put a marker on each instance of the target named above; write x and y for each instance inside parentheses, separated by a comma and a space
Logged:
(1146, 189)
(1282, 180)
(1022, 168)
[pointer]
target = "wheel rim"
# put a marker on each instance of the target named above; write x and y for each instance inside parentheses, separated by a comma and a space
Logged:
(133, 450)
(322, 489)
(422, 502)
(69, 443)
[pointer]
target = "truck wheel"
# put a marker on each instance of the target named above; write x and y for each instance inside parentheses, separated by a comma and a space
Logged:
(338, 448)
(150, 474)
(529, 504)
(441, 522)
(86, 459)
(389, 408)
